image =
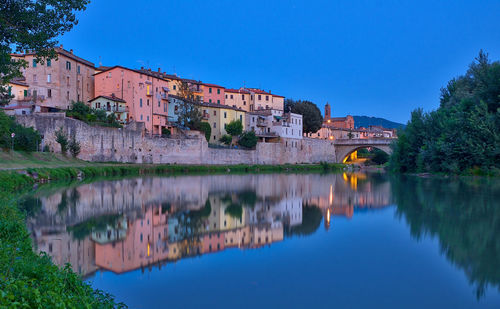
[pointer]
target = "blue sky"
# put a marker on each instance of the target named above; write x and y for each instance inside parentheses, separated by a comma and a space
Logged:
(376, 58)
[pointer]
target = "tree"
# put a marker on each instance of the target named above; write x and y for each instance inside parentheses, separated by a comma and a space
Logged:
(248, 139)
(463, 134)
(205, 128)
(311, 115)
(32, 25)
(226, 139)
(165, 132)
(234, 128)
(25, 139)
(74, 147)
(62, 139)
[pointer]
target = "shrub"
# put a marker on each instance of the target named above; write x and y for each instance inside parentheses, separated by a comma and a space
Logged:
(226, 139)
(234, 128)
(248, 139)
(205, 128)
(25, 139)
(74, 147)
(62, 140)
(165, 132)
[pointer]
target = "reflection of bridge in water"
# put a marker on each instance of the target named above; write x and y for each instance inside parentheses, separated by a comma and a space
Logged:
(135, 223)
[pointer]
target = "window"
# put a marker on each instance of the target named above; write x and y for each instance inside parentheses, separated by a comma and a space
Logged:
(49, 93)
(243, 97)
(215, 126)
(147, 118)
(128, 84)
(67, 95)
(25, 93)
(267, 98)
(49, 62)
(209, 100)
(226, 96)
(78, 69)
(67, 80)
(175, 87)
(209, 90)
(34, 63)
(140, 105)
(159, 103)
(218, 91)
(225, 125)
(68, 65)
(141, 237)
(215, 113)
(225, 115)
(231, 97)
(241, 118)
(147, 101)
(87, 86)
(34, 77)
(260, 97)
(141, 117)
(165, 107)
(218, 101)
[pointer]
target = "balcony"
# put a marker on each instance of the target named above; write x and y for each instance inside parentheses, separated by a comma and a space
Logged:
(33, 98)
(261, 123)
(164, 96)
(149, 93)
(206, 116)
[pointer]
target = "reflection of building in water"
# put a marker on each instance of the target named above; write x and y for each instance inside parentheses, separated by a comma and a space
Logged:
(133, 223)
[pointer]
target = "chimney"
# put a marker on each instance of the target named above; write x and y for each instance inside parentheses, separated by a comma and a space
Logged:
(71, 50)
(61, 46)
(159, 70)
(142, 68)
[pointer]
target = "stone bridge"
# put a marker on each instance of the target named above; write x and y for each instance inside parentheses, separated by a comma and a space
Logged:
(344, 147)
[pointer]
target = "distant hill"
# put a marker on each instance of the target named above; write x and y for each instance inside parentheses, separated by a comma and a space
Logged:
(365, 121)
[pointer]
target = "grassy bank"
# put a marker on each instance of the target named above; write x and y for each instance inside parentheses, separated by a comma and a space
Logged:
(30, 280)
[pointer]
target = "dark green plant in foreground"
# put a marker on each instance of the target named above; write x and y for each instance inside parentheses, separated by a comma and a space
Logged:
(62, 140)
(248, 139)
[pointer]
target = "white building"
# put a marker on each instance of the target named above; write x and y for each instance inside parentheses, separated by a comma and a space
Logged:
(273, 123)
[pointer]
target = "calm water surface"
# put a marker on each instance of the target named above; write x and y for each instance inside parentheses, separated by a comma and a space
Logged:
(278, 241)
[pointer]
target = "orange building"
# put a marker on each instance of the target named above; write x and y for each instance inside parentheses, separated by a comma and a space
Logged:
(346, 122)
(144, 91)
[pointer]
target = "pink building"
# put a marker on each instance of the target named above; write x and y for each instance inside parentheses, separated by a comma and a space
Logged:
(213, 94)
(213, 242)
(145, 94)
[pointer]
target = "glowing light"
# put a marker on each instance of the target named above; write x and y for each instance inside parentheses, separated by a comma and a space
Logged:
(331, 194)
(328, 121)
(328, 216)
(149, 253)
(331, 137)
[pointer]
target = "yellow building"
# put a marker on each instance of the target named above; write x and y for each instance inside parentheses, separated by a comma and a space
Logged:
(111, 105)
(239, 98)
(18, 89)
(218, 116)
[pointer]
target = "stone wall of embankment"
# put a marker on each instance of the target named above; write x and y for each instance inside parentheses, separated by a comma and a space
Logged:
(131, 145)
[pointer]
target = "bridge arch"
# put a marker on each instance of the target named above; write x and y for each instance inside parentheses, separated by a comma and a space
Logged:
(344, 148)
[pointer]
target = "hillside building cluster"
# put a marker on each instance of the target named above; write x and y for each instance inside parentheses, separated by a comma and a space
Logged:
(153, 98)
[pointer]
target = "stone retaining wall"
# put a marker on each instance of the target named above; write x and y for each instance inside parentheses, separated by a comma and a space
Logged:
(131, 145)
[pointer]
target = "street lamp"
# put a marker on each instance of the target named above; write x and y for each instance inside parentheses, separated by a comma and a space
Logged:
(12, 137)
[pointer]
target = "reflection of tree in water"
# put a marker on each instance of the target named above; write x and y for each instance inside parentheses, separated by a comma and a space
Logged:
(464, 214)
(82, 230)
(311, 220)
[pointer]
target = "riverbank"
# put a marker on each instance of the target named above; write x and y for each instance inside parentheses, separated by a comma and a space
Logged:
(27, 278)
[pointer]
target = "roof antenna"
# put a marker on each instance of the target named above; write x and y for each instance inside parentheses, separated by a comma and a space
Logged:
(100, 61)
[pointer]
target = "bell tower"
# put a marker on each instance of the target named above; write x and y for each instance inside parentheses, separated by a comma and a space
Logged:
(328, 112)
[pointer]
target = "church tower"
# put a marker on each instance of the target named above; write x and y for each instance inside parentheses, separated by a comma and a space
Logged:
(328, 112)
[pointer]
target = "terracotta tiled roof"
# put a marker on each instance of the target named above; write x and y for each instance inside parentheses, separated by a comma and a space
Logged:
(112, 98)
(244, 91)
(213, 85)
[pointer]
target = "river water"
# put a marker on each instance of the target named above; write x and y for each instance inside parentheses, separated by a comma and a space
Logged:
(277, 240)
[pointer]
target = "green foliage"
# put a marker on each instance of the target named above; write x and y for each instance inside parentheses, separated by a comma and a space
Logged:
(165, 132)
(62, 140)
(32, 25)
(248, 139)
(30, 280)
(234, 128)
(205, 128)
(74, 147)
(379, 157)
(26, 139)
(311, 115)
(462, 134)
(81, 111)
(226, 139)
